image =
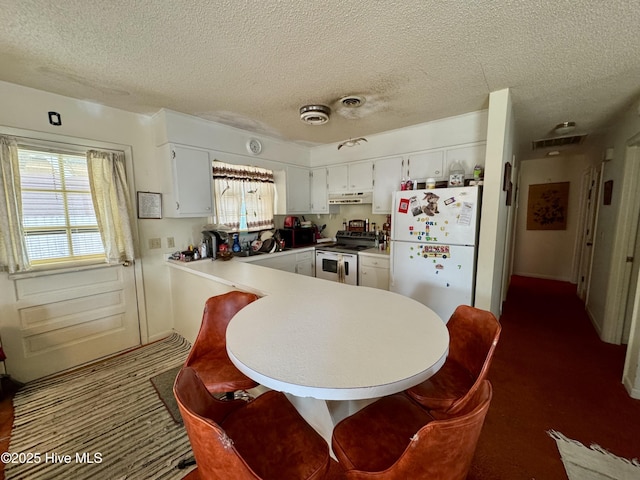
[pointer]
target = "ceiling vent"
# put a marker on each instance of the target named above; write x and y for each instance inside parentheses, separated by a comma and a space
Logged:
(558, 141)
(315, 114)
(352, 101)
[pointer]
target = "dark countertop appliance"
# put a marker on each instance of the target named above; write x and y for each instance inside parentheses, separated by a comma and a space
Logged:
(291, 222)
(298, 237)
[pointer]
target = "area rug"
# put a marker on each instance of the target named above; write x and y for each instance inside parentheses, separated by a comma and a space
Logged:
(163, 383)
(104, 421)
(593, 463)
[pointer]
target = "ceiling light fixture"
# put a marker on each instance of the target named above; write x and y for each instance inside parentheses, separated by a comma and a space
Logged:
(315, 114)
(564, 128)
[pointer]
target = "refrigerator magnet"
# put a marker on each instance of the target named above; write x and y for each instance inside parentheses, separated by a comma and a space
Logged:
(403, 205)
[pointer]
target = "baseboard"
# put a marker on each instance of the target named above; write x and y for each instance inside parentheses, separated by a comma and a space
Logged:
(160, 336)
(595, 324)
(628, 385)
(544, 277)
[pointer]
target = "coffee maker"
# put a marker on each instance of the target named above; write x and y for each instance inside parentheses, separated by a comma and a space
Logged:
(213, 239)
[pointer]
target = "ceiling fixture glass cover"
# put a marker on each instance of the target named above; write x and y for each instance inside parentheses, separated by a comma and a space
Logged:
(564, 128)
(315, 114)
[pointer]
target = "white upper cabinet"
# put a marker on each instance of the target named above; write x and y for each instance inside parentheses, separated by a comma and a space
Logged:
(338, 178)
(319, 199)
(351, 177)
(297, 192)
(188, 183)
(468, 157)
(425, 165)
(387, 174)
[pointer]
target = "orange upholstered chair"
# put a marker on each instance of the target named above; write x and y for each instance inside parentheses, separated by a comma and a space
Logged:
(263, 438)
(473, 334)
(394, 438)
(208, 355)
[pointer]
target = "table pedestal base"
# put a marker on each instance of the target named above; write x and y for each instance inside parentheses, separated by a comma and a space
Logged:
(323, 415)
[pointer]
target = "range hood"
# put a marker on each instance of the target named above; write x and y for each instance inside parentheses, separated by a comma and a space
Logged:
(350, 198)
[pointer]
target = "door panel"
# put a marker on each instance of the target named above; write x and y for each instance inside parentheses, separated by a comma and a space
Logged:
(63, 320)
(441, 281)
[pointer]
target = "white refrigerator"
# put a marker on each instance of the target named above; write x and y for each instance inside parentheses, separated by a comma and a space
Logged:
(434, 235)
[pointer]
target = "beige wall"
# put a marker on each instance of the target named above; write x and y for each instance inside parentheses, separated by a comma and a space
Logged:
(549, 253)
(26, 109)
(493, 249)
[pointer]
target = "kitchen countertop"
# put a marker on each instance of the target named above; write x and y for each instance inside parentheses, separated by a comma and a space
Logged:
(374, 252)
(239, 273)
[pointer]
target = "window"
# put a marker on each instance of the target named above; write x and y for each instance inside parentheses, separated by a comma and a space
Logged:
(244, 196)
(58, 216)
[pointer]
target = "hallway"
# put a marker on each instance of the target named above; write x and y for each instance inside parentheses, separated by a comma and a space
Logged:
(551, 371)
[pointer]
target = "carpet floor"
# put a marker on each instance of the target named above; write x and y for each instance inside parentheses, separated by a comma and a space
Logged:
(552, 372)
(105, 421)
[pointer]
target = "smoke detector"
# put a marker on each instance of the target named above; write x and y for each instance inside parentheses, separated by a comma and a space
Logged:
(315, 114)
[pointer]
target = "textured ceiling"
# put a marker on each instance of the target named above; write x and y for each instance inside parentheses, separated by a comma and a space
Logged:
(253, 64)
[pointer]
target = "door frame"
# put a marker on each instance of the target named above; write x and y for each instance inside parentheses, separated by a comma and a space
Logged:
(588, 223)
(127, 149)
(619, 288)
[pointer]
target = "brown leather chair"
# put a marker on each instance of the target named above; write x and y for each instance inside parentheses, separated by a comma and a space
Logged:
(208, 355)
(394, 438)
(473, 334)
(263, 438)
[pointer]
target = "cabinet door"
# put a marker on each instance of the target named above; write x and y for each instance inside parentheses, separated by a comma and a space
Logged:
(286, 263)
(338, 178)
(319, 200)
(387, 174)
(297, 190)
(467, 157)
(191, 193)
(426, 165)
(360, 176)
(374, 277)
(305, 263)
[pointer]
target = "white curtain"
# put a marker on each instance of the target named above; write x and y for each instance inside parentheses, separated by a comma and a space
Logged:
(13, 249)
(244, 196)
(112, 204)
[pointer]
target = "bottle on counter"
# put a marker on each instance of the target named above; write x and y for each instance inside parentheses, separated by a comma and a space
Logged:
(456, 175)
(236, 243)
(377, 241)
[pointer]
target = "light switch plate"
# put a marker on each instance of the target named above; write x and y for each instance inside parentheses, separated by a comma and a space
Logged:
(154, 243)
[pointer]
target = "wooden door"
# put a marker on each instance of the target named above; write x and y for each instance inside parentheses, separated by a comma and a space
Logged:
(64, 319)
(590, 183)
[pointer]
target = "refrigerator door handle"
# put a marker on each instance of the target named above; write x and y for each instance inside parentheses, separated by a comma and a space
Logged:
(392, 276)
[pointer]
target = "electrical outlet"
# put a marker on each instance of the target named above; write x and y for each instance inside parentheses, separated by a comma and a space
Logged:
(154, 243)
(171, 243)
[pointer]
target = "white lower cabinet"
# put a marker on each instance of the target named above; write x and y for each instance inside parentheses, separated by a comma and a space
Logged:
(305, 263)
(291, 261)
(373, 271)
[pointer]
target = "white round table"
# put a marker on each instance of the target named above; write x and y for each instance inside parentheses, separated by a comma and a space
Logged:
(347, 343)
(356, 343)
(359, 343)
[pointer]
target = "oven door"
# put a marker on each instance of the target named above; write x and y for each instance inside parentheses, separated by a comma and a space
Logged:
(337, 266)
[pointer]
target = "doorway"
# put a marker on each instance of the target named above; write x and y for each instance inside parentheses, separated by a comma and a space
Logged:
(589, 193)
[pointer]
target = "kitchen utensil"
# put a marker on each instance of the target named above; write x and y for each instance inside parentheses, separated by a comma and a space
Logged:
(268, 245)
(255, 245)
(291, 222)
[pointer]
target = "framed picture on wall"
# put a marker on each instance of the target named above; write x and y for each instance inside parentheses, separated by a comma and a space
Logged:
(547, 206)
(149, 205)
